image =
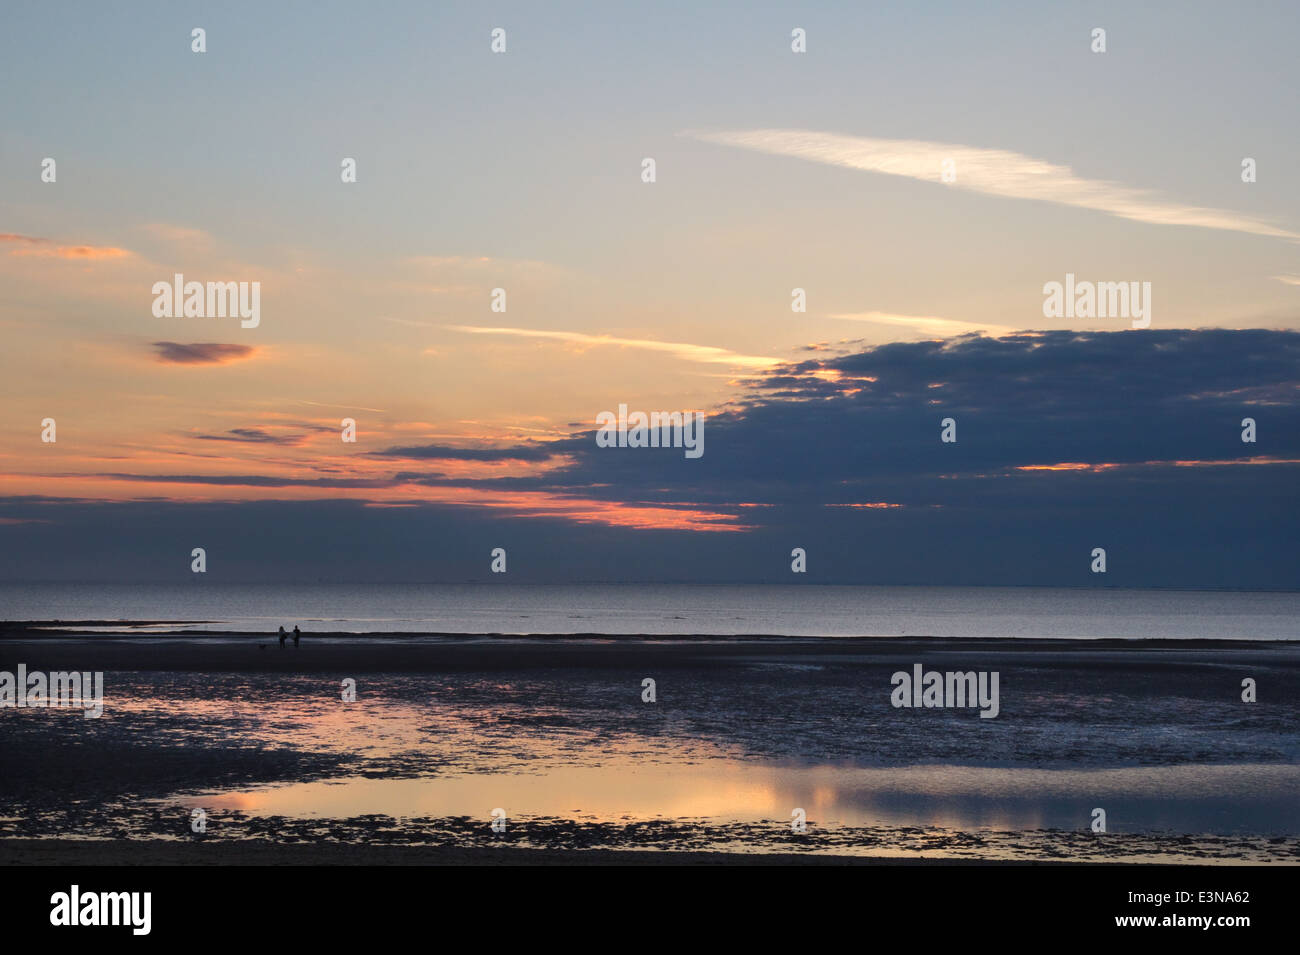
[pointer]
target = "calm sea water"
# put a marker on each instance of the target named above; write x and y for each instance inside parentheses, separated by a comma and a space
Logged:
(672, 609)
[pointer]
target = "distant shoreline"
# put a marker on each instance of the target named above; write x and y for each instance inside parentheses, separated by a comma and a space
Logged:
(446, 652)
(135, 630)
(488, 582)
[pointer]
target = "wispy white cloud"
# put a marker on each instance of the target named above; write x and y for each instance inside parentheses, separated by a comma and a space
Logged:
(928, 324)
(995, 172)
(168, 232)
(482, 263)
(1288, 279)
(701, 353)
(323, 404)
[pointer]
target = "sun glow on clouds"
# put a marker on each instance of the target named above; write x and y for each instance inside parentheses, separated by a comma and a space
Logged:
(928, 324)
(1111, 466)
(1066, 466)
(230, 479)
(35, 247)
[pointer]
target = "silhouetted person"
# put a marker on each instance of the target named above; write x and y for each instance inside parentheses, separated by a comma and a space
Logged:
(297, 635)
(283, 636)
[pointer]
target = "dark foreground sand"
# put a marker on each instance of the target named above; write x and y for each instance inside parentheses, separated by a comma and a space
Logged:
(109, 852)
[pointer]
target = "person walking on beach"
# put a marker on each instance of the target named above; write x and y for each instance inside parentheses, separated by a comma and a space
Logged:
(297, 635)
(283, 636)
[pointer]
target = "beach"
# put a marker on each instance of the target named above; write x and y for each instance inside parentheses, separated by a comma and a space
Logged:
(744, 737)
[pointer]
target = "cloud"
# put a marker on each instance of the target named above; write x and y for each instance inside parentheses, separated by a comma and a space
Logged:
(1130, 440)
(34, 246)
(322, 404)
(479, 262)
(261, 436)
(833, 429)
(996, 172)
(179, 235)
(452, 261)
(447, 453)
(247, 480)
(1288, 279)
(700, 353)
(201, 353)
(927, 324)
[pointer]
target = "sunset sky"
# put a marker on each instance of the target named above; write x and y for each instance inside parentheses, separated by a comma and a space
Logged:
(775, 170)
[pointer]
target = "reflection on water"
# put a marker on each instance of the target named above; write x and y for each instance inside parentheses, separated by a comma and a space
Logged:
(1186, 799)
(732, 747)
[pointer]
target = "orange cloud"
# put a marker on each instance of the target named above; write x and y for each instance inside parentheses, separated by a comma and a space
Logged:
(1110, 466)
(44, 248)
(380, 492)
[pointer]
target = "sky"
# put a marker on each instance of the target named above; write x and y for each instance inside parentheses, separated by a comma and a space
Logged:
(774, 171)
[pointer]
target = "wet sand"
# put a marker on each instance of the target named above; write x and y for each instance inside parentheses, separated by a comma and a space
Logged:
(214, 720)
(45, 646)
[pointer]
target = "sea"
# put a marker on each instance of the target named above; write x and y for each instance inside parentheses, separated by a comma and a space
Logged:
(666, 609)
